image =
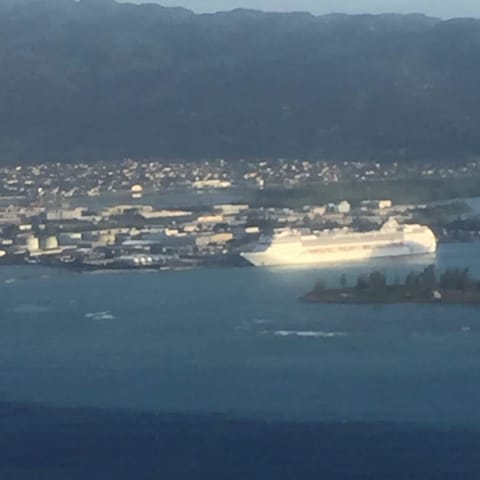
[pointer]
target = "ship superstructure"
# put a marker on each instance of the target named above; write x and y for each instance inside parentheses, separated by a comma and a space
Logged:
(295, 247)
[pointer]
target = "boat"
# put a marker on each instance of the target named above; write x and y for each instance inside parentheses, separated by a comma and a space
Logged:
(296, 247)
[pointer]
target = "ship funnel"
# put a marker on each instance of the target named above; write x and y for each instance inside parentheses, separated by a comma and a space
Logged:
(390, 224)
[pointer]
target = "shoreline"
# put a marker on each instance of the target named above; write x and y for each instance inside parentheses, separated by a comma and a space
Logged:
(391, 296)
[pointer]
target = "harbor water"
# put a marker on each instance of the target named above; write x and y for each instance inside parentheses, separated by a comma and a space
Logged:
(238, 342)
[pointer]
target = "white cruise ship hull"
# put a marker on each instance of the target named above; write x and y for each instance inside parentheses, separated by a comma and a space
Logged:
(409, 240)
(265, 259)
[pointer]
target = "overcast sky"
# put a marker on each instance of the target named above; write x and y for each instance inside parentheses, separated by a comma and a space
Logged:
(440, 8)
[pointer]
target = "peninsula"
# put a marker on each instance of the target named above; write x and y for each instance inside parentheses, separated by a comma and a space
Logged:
(453, 286)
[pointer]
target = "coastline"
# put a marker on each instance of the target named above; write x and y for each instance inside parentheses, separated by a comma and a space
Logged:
(391, 296)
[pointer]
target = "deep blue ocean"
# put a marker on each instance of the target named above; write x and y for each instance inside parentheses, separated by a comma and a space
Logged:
(223, 373)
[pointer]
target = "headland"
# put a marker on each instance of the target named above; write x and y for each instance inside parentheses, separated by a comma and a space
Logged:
(453, 286)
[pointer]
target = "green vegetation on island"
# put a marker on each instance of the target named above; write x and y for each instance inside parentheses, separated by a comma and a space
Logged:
(452, 286)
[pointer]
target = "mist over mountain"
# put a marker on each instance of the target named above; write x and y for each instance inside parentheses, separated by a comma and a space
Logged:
(99, 80)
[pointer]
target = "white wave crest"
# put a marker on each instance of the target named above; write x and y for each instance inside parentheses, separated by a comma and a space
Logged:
(262, 321)
(100, 316)
(308, 333)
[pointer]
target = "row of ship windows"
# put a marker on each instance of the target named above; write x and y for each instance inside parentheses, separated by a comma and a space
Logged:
(358, 247)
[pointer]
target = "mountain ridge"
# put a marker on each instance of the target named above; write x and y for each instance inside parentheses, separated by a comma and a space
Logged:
(97, 79)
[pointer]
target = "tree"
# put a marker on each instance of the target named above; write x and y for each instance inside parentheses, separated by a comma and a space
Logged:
(456, 279)
(362, 282)
(411, 281)
(377, 280)
(429, 277)
(320, 286)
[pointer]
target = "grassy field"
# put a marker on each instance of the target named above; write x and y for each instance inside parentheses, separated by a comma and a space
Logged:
(400, 191)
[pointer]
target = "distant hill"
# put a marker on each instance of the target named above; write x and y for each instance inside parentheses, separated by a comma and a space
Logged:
(99, 80)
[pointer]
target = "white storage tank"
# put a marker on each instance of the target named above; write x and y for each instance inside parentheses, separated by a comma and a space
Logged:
(49, 243)
(32, 243)
(136, 191)
(344, 207)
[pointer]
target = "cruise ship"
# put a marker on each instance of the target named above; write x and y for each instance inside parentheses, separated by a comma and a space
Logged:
(293, 247)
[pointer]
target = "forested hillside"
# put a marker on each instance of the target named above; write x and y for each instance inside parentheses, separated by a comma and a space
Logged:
(99, 80)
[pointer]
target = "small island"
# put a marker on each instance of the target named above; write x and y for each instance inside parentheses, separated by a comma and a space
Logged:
(453, 286)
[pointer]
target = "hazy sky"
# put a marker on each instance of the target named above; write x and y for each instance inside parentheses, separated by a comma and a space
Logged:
(440, 8)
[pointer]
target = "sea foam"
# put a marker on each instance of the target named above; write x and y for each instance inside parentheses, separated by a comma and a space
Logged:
(308, 333)
(100, 316)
